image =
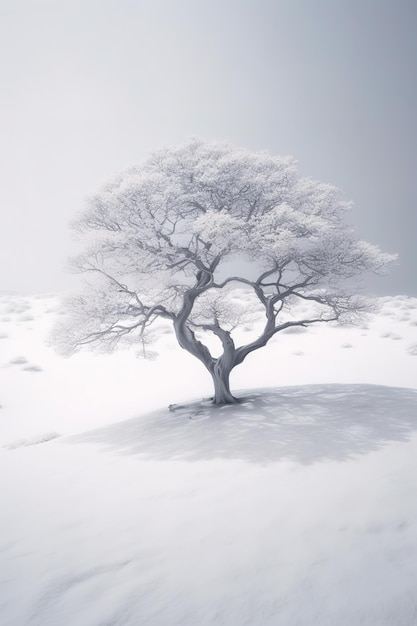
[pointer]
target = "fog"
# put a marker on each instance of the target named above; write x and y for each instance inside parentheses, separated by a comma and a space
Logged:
(89, 87)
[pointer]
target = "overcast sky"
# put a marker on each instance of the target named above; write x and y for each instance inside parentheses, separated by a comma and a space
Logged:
(89, 87)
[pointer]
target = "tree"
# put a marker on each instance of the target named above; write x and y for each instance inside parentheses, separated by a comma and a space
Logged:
(173, 237)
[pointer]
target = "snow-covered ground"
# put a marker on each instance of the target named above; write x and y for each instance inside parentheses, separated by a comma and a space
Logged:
(296, 507)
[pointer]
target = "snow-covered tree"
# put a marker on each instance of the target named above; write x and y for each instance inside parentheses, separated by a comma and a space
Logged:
(172, 238)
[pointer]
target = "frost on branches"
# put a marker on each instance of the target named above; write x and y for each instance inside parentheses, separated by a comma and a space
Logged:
(174, 238)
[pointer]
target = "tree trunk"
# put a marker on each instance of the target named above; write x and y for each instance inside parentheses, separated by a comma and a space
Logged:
(219, 368)
(222, 393)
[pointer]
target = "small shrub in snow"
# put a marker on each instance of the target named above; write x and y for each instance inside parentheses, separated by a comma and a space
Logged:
(26, 317)
(32, 368)
(18, 360)
(390, 335)
(412, 349)
(17, 307)
(295, 330)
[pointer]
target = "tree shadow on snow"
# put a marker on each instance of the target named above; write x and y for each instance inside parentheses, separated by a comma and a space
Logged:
(305, 424)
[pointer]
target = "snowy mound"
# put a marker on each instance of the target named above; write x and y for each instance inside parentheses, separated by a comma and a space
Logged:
(304, 424)
(294, 508)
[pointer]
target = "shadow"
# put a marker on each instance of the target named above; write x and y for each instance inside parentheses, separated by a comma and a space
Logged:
(305, 424)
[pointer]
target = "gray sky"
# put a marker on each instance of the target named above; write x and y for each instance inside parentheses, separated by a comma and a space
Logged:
(89, 87)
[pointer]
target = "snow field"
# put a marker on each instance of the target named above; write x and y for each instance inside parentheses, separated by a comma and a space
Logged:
(294, 508)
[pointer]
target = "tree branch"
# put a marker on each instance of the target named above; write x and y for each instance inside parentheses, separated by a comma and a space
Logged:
(243, 351)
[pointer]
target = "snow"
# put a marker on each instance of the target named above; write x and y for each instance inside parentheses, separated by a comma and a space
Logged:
(294, 508)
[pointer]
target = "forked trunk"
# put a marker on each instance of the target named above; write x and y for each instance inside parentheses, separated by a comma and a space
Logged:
(222, 393)
(219, 368)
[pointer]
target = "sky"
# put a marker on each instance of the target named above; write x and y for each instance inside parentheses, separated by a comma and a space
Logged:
(89, 87)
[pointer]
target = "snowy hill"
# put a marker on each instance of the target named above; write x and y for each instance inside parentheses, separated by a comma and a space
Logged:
(294, 508)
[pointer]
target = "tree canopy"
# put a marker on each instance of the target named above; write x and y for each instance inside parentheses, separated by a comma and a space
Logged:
(173, 237)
